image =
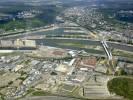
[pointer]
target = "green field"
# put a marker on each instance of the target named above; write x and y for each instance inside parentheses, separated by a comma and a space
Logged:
(123, 53)
(122, 86)
(40, 93)
(23, 24)
(47, 16)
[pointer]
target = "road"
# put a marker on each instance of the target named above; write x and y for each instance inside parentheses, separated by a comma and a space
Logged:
(67, 98)
(49, 98)
(27, 32)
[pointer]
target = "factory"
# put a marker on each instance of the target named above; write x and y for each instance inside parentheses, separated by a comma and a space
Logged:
(17, 44)
(50, 53)
(86, 63)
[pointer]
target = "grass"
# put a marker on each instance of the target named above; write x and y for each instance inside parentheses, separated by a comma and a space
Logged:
(73, 44)
(2, 72)
(40, 93)
(122, 86)
(75, 92)
(123, 54)
(30, 90)
(2, 96)
(28, 93)
(11, 54)
(69, 88)
(22, 24)
(22, 78)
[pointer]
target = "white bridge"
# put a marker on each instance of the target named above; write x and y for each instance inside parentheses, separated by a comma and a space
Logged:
(107, 49)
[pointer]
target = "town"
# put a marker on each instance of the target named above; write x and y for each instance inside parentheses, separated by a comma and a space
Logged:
(66, 50)
(58, 72)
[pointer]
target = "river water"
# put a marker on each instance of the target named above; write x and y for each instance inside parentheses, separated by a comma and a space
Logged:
(55, 42)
